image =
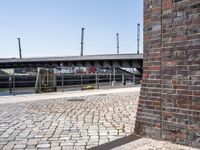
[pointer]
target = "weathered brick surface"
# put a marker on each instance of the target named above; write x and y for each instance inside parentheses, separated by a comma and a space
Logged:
(169, 105)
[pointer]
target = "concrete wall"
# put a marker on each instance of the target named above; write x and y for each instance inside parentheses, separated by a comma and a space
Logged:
(169, 105)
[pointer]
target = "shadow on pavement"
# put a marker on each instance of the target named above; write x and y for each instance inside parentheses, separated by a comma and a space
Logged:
(116, 143)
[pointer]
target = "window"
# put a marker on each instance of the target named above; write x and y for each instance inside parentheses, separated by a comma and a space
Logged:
(176, 1)
(195, 6)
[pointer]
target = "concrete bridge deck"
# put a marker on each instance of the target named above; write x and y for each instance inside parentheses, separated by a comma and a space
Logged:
(108, 60)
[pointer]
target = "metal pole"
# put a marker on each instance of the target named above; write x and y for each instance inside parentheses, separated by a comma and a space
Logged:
(110, 79)
(20, 50)
(14, 84)
(138, 38)
(133, 79)
(81, 81)
(117, 38)
(62, 82)
(54, 81)
(82, 40)
(97, 82)
(122, 79)
(40, 82)
(10, 84)
(113, 76)
(37, 83)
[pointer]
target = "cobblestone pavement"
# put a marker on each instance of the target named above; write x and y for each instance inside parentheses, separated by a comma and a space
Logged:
(67, 123)
(73, 123)
(150, 144)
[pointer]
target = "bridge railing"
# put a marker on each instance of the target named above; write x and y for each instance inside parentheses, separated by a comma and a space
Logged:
(25, 84)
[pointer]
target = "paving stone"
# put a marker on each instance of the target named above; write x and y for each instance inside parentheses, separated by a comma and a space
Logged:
(67, 144)
(43, 146)
(31, 147)
(79, 147)
(55, 144)
(67, 147)
(55, 148)
(150, 144)
(8, 146)
(20, 146)
(32, 142)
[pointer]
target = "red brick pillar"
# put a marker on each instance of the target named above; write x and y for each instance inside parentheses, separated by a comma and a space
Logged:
(169, 104)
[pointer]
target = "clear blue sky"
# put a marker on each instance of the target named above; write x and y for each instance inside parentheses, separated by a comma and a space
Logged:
(53, 27)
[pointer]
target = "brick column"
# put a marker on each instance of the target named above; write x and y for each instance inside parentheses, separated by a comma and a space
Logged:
(169, 104)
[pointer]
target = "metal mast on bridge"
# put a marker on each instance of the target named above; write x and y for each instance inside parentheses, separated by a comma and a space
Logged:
(138, 38)
(117, 38)
(82, 40)
(20, 50)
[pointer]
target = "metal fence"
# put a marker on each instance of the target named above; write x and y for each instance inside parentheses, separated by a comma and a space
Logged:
(24, 84)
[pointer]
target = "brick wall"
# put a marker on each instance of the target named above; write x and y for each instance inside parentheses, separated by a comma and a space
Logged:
(169, 105)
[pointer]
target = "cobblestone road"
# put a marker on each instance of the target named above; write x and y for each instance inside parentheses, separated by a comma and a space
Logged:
(67, 123)
(150, 144)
